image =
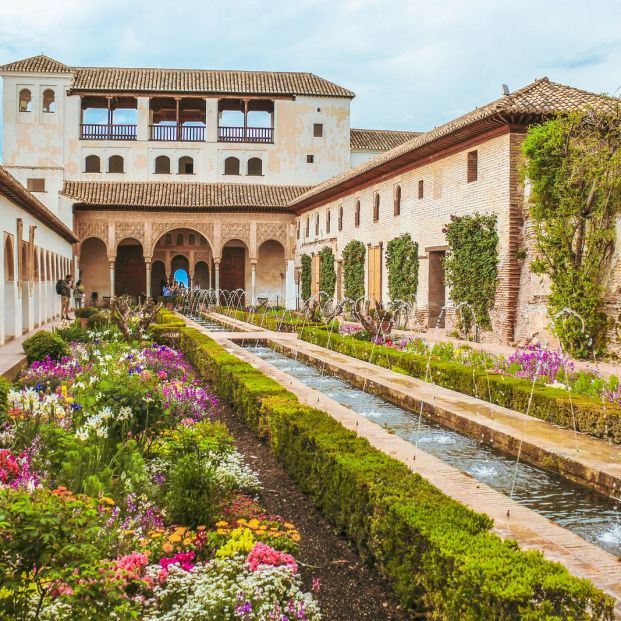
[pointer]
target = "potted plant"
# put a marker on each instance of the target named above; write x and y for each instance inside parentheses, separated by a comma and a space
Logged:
(83, 314)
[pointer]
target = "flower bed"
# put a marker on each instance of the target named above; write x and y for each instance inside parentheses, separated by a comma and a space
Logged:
(122, 497)
(438, 554)
(475, 373)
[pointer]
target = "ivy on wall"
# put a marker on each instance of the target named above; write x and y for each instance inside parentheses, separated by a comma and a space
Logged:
(306, 276)
(471, 267)
(353, 269)
(573, 163)
(402, 264)
(327, 275)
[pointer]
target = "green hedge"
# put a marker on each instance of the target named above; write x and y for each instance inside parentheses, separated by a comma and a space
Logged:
(5, 385)
(293, 324)
(438, 554)
(549, 404)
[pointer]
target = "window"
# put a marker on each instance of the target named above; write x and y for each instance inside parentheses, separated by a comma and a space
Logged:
(376, 206)
(25, 100)
(297, 232)
(116, 164)
(340, 225)
(318, 130)
(49, 100)
(168, 239)
(328, 221)
(307, 234)
(231, 166)
(255, 166)
(192, 239)
(421, 189)
(92, 164)
(357, 214)
(397, 206)
(186, 165)
(310, 159)
(316, 225)
(179, 239)
(35, 185)
(473, 166)
(162, 165)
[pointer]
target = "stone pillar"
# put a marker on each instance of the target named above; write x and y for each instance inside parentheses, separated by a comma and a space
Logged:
(290, 289)
(217, 279)
(111, 266)
(142, 130)
(253, 282)
(147, 263)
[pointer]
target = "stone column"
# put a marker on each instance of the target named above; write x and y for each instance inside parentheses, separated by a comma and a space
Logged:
(217, 279)
(111, 265)
(147, 264)
(253, 282)
(290, 286)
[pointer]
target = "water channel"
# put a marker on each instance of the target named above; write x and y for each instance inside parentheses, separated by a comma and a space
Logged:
(592, 515)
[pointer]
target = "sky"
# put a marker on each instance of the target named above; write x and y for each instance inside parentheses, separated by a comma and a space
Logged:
(412, 64)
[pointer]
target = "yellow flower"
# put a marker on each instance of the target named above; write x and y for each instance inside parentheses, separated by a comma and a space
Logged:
(187, 541)
(253, 523)
(221, 523)
(107, 500)
(174, 538)
(221, 531)
(289, 525)
(167, 547)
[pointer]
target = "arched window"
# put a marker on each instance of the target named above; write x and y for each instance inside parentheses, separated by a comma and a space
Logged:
(192, 239)
(231, 166)
(179, 239)
(340, 217)
(328, 221)
(35, 266)
(376, 206)
(9, 269)
(162, 165)
(49, 100)
(397, 208)
(357, 214)
(92, 164)
(255, 166)
(316, 225)
(116, 164)
(168, 239)
(186, 165)
(307, 232)
(297, 231)
(25, 100)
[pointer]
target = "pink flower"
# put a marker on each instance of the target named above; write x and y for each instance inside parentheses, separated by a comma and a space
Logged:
(263, 554)
(183, 559)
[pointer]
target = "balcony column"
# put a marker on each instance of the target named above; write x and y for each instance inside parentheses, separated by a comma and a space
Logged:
(109, 99)
(253, 282)
(147, 264)
(111, 266)
(211, 119)
(245, 119)
(177, 103)
(216, 267)
(142, 131)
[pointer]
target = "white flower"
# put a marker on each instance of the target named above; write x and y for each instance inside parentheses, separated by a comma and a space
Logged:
(106, 413)
(101, 432)
(82, 433)
(125, 413)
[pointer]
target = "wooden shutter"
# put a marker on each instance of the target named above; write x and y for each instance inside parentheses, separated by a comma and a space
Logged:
(375, 274)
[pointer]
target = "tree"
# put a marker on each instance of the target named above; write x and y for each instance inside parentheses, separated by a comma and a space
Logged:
(353, 269)
(573, 163)
(306, 276)
(402, 264)
(327, 275)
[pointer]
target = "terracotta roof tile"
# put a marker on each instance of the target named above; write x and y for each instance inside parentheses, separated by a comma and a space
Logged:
(182, 195)
(17, 193)
(36, 64)
(378, 139)
(536, 100)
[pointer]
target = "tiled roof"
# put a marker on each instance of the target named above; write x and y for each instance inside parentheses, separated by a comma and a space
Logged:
(18, 194)
(151, 80)
(161, 195)
(378, 139)
(535, 101)
(36, 64)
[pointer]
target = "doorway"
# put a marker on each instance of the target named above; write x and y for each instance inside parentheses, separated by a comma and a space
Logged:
(437, 289)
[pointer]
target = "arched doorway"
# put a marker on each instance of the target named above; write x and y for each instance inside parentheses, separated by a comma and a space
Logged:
(180, 269)
(130, 277)
(158, 278)
(25, 288)
(201, 275)
(94, 270)
(9, 289)
(234, 266)
(271, 270)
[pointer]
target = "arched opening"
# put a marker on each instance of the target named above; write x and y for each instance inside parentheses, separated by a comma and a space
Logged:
(130, 276)
(24, 274)
(255, 166)
(357, 214)
(231, 166)
(186, 165)
(397, 209)
(376, 207)
(340, 225)
(9, 265)
(328, 221)
(49, 100)
(92, 164)
(271, 269)
(180, 268)
(94, 269)
(24, 277)
(158, 278)
(116, 164)
(201, 275)
(36, 294)
(192, 239)
(25, 100)
(9, 289)
(162, 165)
(234, 266)
(180, 239)
(168, 239)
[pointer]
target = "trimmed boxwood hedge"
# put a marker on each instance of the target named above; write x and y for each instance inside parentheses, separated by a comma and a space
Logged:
(549, 404)
(438, 554)
(269, 322)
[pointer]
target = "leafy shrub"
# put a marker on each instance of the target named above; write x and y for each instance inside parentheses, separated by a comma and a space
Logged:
(327, 275)
(353, 269)
(45, 343)
(306, 276)
(5, 385)
(86, 312)
(73, 333)
(402, 264)
(98, 320)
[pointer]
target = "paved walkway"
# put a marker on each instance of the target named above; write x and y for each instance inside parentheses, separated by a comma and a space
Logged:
(530, 529)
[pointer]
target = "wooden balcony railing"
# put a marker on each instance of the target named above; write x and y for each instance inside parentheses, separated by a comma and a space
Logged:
(246, 134)
(177, 133)
(94, 131)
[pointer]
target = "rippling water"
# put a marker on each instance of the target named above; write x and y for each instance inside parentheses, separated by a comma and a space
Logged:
(587, 513)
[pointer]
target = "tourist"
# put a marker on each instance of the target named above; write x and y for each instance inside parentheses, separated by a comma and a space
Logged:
(65, 296)
(78, 295)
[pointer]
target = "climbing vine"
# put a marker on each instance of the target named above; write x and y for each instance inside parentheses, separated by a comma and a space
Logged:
(573, 163)
(353, 269)
(402, 264)
(327, 275)
(471, 267)
(306, 276)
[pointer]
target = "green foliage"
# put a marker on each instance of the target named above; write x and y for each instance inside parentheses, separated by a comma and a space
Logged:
(5, 386)
(98, 321)
(471, 266)
(574, 165)
(402, 264)
(438, 554)
(45, 343)
(327, 275)
(73, 333)
(86, 312)
(306, 276)
(193, 496)
(353, 269)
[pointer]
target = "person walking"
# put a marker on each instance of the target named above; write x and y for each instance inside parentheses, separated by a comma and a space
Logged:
(65, 296)
(78, 295)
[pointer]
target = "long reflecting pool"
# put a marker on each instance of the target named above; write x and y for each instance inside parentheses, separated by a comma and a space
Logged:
(591, 515)
(212, 326)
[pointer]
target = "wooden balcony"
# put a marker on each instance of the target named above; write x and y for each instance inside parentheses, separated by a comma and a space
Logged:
(177, 133)
(246, 134)
(94, 131)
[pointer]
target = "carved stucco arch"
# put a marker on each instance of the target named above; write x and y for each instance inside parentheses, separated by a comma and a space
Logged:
(129, 230)
(159, 230)
(87, 230)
